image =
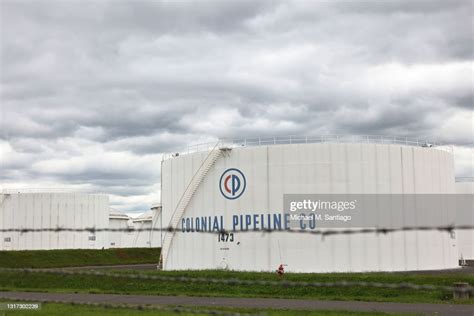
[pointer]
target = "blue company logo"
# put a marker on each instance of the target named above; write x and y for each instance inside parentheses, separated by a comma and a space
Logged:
(232, 183)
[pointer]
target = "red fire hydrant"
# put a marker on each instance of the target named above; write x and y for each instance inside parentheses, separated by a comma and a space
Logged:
(281, 270)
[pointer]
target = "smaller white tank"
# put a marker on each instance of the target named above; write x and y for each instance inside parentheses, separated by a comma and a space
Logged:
(53, 210)
(465, 237)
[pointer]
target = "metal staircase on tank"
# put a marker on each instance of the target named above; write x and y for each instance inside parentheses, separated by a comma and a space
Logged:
(185, 199)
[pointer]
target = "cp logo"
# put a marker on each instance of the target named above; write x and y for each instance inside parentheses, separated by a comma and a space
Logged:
(232, 183)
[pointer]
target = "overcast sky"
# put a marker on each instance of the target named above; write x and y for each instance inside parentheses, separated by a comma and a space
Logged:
(92, 92)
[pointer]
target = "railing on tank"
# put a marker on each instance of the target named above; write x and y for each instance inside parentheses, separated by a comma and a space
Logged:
(203, 147)
(282, 140)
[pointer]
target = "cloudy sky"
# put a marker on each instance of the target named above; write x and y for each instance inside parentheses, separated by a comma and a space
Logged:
(92, 92)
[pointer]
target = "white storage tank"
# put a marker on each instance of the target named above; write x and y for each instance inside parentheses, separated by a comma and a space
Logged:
(208, 189)
(53, 210)
(156, 236)
(120, 221)
(142, 239)
(131, 232)
(465, 237)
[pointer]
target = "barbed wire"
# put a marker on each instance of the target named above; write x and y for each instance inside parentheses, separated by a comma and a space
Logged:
(235, 281)
(140, 307)
(322, 232)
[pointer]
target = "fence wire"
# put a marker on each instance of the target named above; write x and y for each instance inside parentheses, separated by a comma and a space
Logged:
(324, 232)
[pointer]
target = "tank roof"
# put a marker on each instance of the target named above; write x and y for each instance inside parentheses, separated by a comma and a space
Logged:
(116, 214)
(147, 216)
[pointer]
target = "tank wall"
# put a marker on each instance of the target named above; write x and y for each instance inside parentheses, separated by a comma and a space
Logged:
(272, 171)
(52, 210)
(464, 187)
(124, 239)
(465, 237)
(119, 239)
(142, 239)
(156, 236)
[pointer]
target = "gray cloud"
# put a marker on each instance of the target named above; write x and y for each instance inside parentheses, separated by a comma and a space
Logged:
(92, 92)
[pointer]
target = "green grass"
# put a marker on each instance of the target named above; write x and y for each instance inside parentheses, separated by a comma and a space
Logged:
(18, 281)
(99, 284)
(77, 257)
(54, 309)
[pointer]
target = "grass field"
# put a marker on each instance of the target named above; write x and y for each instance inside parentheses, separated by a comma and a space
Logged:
(53, 309)
(77, 257)
(48, 282)
(105, 284)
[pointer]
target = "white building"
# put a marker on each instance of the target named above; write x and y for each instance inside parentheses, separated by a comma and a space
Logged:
(211, 187)
(53, 210)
